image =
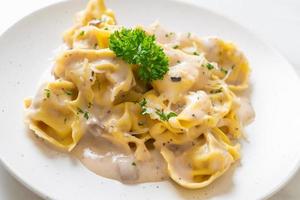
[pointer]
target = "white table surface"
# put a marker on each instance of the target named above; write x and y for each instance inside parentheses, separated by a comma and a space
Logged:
(276, 21)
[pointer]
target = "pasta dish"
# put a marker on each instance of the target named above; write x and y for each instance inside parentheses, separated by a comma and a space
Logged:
(144, 104)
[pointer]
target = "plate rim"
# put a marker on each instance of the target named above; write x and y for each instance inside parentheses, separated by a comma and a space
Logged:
(194, 3)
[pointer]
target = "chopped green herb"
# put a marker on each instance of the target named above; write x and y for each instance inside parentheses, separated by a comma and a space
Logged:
(216, 91)
(136, 47)
(79, 111)
(143, 102)
(85, 113)
(143, 106)
(169, 34)
(225, 71)
(47, 93)
(171, 114)
(178, 61)
(68, 92)
(82, 33)
(209, 66)
(163, 116)
(196, 53)
(89, 105)
(106, 28)
(233, 66)
(175, 47)
(189, 35)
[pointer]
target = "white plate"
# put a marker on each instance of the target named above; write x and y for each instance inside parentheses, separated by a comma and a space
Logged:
(269, 159)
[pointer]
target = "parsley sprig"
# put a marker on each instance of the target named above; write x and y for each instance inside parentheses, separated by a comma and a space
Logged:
(134, 46)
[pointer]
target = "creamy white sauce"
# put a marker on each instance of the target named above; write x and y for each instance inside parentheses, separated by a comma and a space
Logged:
(110, 161)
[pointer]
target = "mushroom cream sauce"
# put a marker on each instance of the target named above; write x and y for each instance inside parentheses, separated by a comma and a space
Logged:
(192, 118)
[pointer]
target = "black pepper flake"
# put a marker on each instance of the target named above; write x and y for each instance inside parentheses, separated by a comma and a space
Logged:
(216, 91)
(133, 164)
(193, 115)
(175, 79)
(164, 144)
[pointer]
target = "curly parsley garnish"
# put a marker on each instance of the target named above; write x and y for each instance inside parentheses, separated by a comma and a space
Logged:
(134, 46)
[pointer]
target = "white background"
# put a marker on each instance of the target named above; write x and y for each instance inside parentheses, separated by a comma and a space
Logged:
(276, 21)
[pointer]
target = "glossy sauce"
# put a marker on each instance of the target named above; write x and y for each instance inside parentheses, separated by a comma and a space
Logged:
(110, 161)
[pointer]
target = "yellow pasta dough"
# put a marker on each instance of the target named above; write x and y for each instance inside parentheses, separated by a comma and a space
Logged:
(190, 117)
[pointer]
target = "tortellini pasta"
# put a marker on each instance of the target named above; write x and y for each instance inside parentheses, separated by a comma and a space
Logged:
(191, 116)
